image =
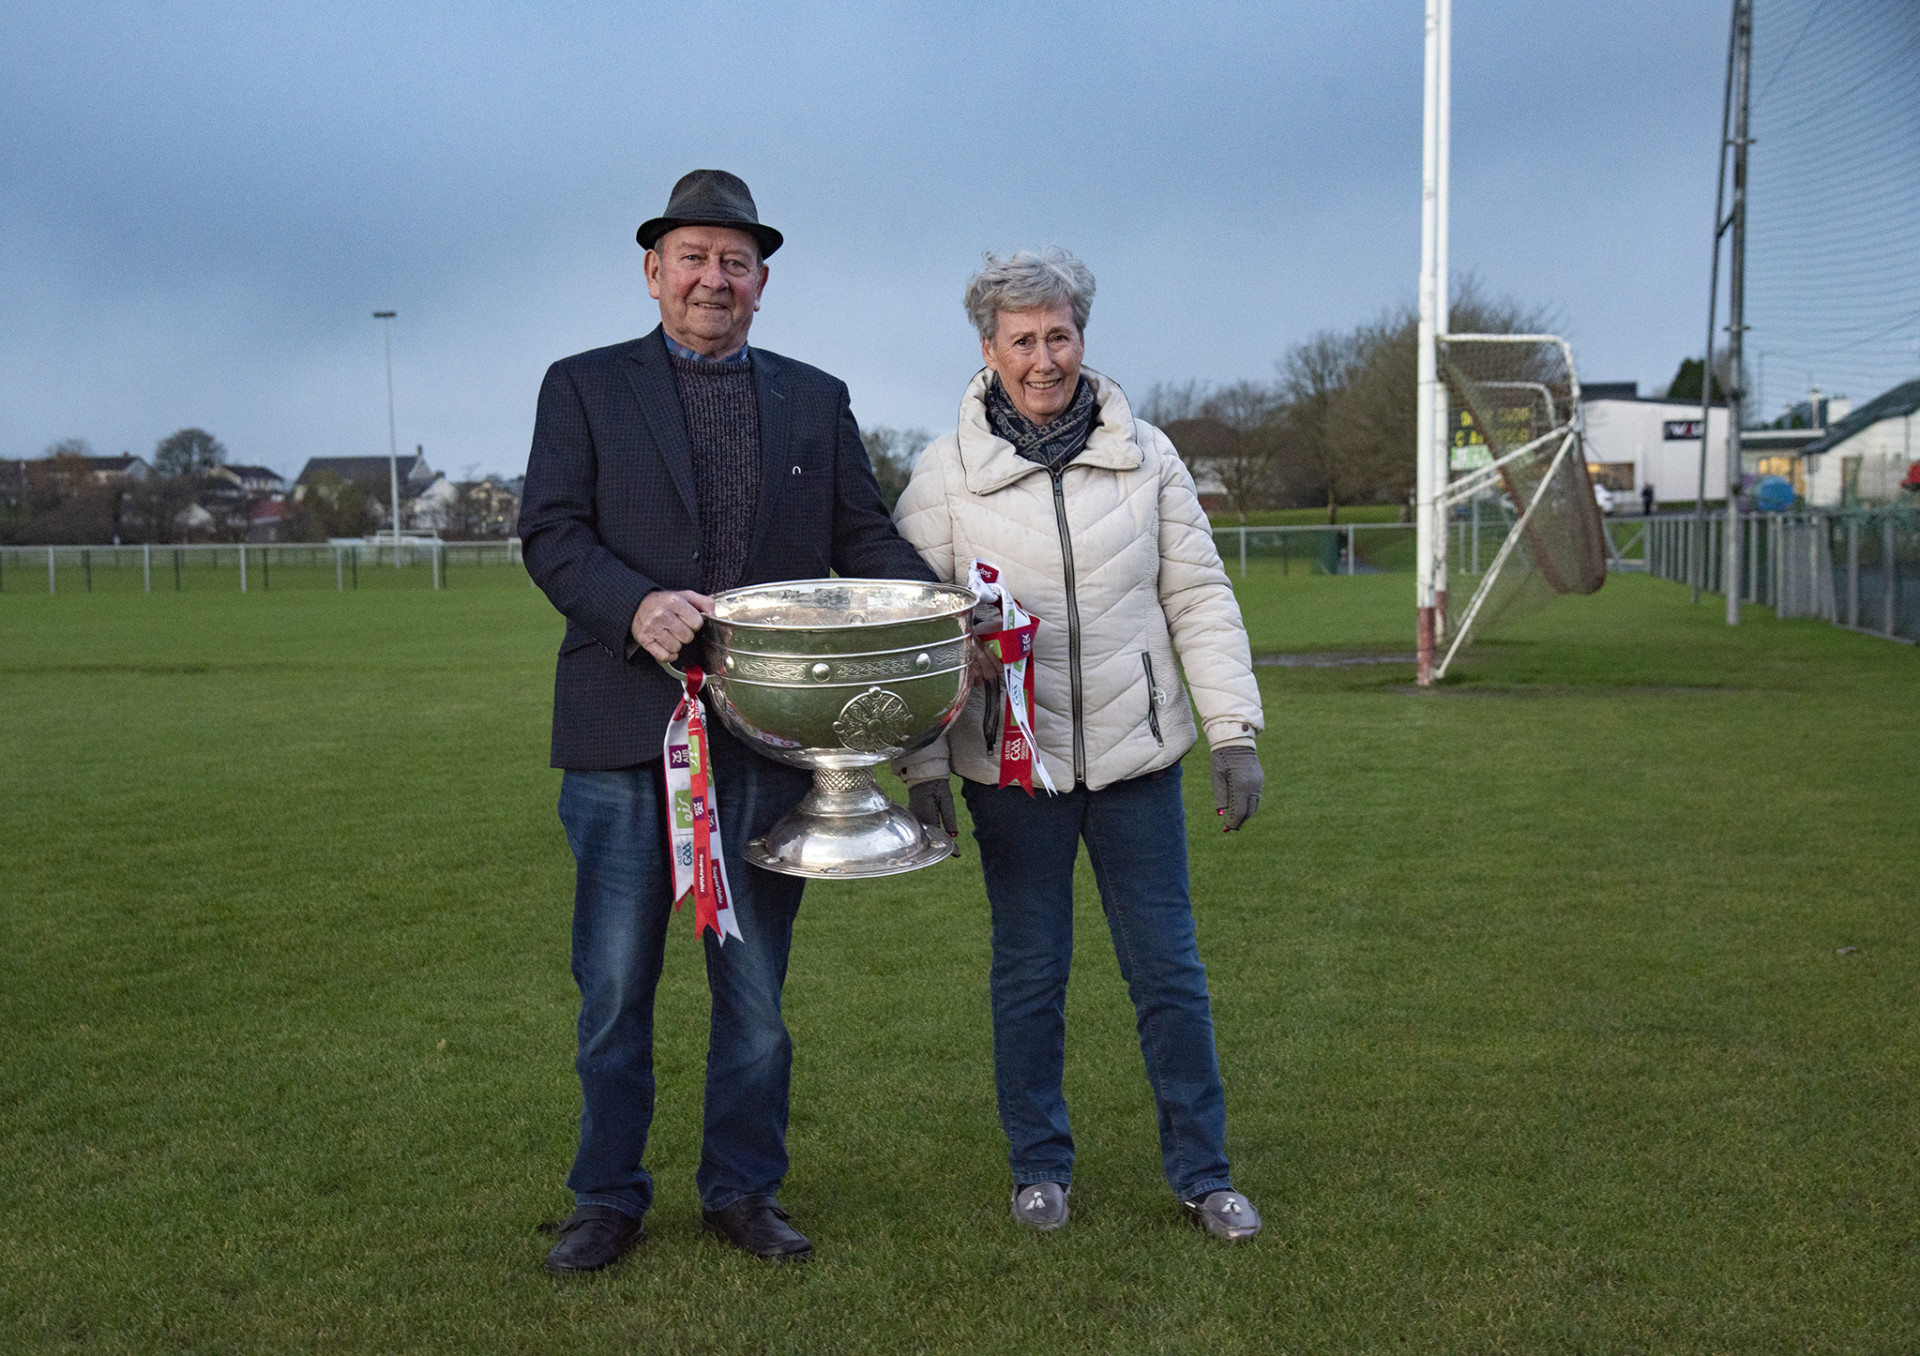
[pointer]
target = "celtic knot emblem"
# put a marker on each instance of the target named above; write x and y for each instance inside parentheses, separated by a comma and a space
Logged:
(874, 722)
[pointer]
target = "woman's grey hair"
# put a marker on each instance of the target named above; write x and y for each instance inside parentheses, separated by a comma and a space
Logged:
(1025, 281)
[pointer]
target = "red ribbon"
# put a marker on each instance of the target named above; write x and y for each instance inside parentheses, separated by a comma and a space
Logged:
(1016, 753)
(697, 868)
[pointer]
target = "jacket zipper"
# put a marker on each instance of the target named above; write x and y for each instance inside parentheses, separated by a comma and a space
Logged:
(1153, 699)
(1073, 630)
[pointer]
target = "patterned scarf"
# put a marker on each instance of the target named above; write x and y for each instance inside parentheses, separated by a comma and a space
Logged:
(1051, 445)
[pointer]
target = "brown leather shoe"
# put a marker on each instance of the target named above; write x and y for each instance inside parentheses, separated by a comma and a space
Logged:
(592, 1237)
(758, 1225)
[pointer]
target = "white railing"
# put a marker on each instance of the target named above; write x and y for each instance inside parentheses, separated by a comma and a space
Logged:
(253, 566)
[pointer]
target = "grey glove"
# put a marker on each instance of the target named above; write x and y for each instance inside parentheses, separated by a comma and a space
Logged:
(931, 802)
(1237, 780)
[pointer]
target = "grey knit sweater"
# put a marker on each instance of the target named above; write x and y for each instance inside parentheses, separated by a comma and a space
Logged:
(723, 423)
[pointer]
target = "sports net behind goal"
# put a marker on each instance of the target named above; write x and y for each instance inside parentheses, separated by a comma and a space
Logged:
(1515, 447)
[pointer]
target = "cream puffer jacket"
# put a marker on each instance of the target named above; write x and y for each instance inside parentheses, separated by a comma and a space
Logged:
(1117, 562)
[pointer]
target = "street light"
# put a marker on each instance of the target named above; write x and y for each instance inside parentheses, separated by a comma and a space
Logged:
(393, 446)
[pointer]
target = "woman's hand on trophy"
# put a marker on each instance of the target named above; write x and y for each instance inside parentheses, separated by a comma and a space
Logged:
(982, 664)
(666, 620)
(1237, 783)
(931, 802)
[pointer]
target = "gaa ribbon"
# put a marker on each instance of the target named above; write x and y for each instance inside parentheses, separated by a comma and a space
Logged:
(693, 832)
(1013, 647)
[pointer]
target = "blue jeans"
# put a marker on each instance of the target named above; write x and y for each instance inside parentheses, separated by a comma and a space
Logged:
(1136, 836)
(616, 824)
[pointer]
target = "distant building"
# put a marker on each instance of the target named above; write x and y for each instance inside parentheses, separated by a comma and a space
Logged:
(415, 474)
(1869, 454)
(422, 498)
(268, 519)
(429, 507)
(101, 470)
(1635, 440)
(251, 479)
(487, 508)
(20, 477)
(126, 466)
(1202, 443)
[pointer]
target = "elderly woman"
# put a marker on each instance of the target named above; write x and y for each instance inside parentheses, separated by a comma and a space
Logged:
(1094, 528)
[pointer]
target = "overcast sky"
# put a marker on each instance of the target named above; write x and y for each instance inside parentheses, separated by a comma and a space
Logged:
(201, 204)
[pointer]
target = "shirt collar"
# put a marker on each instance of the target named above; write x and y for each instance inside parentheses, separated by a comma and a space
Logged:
(739, 355)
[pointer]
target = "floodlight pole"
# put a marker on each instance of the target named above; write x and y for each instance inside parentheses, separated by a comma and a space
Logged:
(1713, 301)
(1426, 390)
(393, 444)
(1737, 300)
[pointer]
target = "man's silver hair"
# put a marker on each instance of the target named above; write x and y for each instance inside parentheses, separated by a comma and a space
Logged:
(1025, 281)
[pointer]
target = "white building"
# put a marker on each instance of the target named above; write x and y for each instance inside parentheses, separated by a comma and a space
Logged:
(1867, 455)
(1634, 441)
(431, 509)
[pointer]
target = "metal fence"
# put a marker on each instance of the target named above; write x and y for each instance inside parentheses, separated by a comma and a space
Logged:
(1341, 548)
(199, 567)
(1857, 568)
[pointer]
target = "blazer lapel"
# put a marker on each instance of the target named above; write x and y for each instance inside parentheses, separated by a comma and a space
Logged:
(775, 429)
(653, 386)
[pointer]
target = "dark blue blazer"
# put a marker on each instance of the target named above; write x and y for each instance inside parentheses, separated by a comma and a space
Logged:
(608, 515)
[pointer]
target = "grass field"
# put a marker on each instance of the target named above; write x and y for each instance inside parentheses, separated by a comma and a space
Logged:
(1535, 1026)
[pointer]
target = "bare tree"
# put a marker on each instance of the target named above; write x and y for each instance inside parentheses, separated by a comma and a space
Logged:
(1352, 413)
(893, 452)
(1314, 377)
(1248, 467)
(1229, 436)
(1172, 402)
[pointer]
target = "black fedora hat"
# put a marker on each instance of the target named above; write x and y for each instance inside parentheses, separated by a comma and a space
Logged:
(710, 198)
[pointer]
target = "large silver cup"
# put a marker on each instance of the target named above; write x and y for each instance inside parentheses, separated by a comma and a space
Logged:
(838, 675)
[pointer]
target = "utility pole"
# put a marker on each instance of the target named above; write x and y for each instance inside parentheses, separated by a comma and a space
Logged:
(393, 445)
(1737, 298)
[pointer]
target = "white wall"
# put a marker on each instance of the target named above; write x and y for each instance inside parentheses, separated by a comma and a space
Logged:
(1635, 431)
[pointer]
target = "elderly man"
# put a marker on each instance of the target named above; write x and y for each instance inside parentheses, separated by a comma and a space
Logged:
(664, 470)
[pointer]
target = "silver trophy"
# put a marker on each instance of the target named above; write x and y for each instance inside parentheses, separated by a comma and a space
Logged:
(838, 675)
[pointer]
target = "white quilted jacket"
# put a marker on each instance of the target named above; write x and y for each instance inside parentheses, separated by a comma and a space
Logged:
(1118, 564)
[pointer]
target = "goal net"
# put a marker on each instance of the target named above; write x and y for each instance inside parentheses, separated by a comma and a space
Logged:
(1516, 453)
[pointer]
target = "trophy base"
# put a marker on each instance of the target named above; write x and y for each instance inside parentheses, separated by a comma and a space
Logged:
(846, 829)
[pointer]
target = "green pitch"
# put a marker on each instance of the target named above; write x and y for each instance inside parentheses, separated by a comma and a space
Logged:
(1534, 1026)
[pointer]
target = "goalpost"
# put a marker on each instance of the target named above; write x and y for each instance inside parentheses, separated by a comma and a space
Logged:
(1501, 409)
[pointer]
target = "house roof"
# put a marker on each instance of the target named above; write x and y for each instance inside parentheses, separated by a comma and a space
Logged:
(367, 469)
(254, 472)
(1901, 400)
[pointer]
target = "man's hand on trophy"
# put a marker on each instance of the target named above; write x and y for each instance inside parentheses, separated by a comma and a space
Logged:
(931, 802)
(666, 620)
